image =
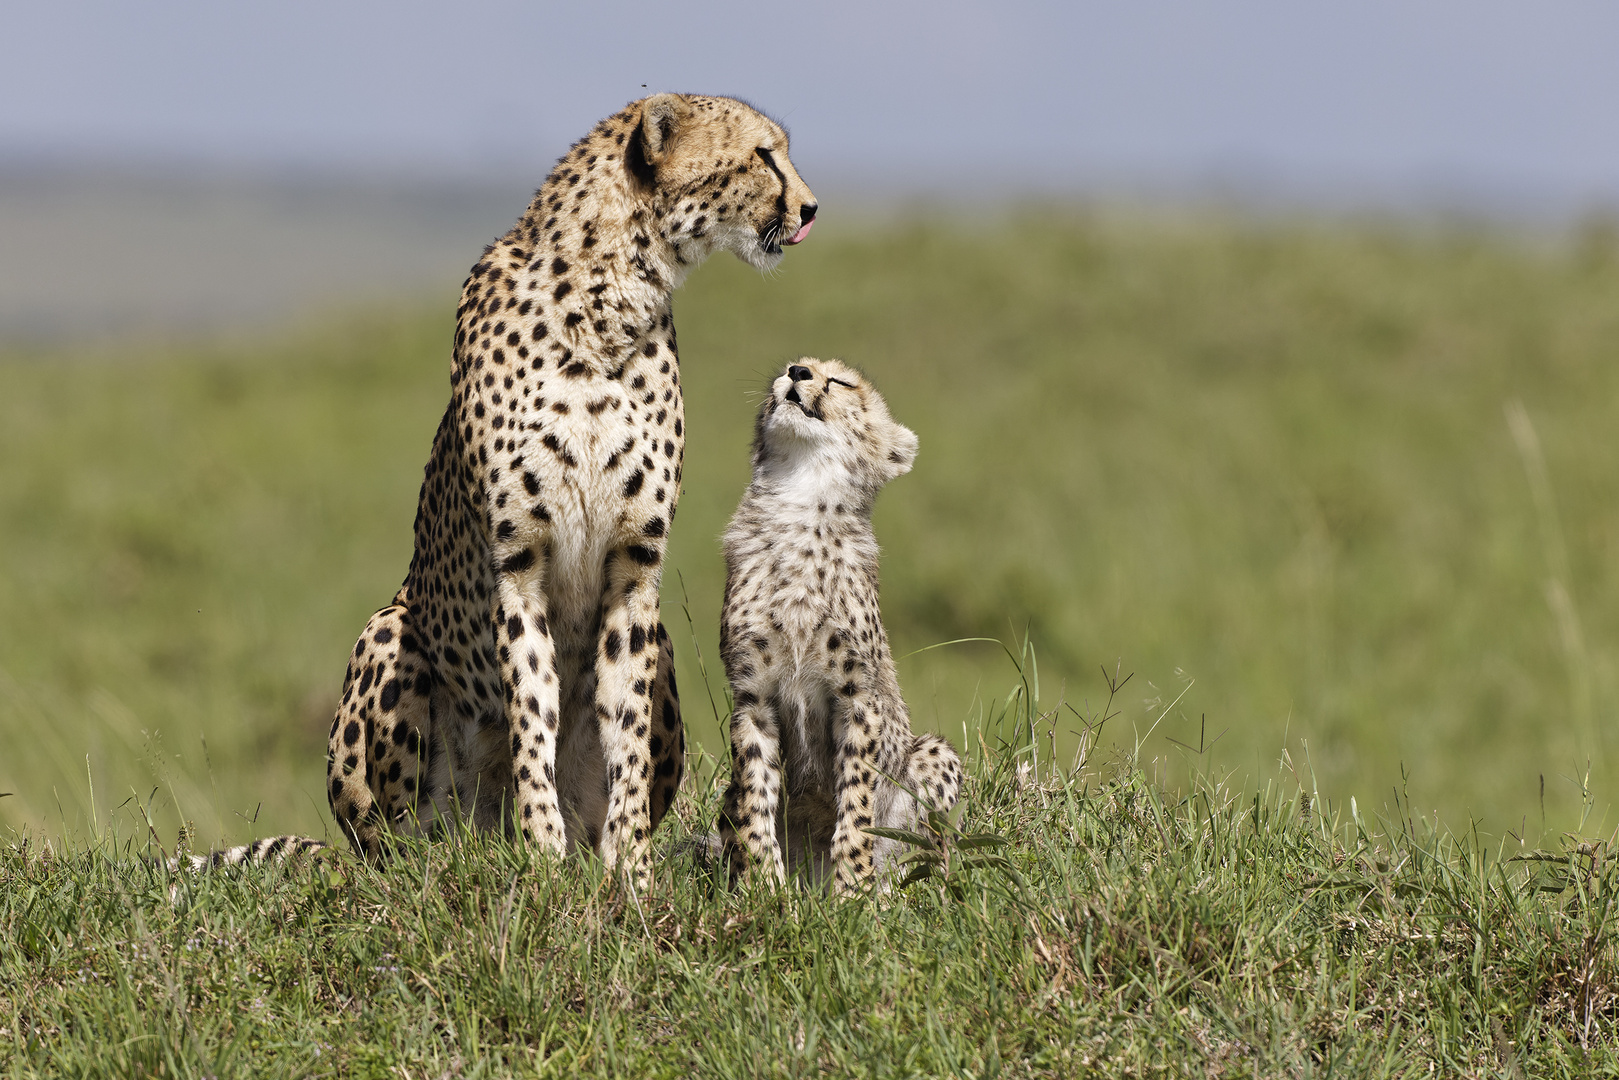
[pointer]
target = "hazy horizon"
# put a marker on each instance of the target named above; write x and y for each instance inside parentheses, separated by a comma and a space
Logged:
(1374, 102)
(233, 165)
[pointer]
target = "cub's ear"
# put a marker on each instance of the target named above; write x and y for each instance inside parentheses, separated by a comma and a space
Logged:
(901, 451)
(661, 119)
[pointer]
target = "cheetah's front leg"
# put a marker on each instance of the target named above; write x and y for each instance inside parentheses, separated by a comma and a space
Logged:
(626, 667)
(528, 671)
(668, 740)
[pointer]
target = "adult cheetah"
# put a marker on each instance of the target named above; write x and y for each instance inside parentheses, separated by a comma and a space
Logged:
(521, 672)
(819, 716)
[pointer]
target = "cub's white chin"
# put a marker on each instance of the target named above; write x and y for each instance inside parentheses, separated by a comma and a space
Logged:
(790, 423)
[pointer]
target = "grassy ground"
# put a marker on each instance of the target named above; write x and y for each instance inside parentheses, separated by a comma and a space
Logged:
(1128, 932)
(1343, 490)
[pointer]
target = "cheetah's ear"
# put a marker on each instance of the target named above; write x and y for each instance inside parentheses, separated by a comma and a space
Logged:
(661, 118)
(901, 451)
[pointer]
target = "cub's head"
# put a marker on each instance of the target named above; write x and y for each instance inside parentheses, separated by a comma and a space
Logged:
(824, 430)
(719, 177)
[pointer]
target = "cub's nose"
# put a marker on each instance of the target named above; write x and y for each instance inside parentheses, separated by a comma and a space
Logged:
(798, 373)
(806, 213)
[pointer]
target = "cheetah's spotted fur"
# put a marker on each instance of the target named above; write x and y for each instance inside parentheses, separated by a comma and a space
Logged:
(521, 668)
(821, 742)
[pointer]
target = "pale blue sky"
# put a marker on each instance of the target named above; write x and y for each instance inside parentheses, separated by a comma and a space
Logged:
(1381, 98)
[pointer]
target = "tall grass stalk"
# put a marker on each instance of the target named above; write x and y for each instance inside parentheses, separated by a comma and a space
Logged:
(1559, 581)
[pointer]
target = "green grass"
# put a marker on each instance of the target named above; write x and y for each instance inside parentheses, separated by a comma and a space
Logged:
(1221, 931)
(1266, 466)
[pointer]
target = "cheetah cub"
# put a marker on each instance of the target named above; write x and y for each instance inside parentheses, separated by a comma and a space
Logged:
(820, 734)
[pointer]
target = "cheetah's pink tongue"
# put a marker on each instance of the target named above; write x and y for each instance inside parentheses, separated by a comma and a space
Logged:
(798, 237)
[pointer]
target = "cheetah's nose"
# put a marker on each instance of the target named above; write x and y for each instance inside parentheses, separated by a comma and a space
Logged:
(798, 373)
(806, 218)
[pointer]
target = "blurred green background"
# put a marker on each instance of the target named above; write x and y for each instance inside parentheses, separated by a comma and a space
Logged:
(1343, 489)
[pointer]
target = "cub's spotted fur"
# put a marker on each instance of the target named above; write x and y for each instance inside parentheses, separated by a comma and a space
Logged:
(820, 734)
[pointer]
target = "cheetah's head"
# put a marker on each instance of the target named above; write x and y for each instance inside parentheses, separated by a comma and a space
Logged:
(824, 424)
(720, 178)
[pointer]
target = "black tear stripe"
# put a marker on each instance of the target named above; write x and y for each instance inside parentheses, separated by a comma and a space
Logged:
(781, 200)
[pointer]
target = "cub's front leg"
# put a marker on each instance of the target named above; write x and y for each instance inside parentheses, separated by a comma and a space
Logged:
(753, 799)
(859, 713)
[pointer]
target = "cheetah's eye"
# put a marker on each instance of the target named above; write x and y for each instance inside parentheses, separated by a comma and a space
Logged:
(766, 156)
(830, 380)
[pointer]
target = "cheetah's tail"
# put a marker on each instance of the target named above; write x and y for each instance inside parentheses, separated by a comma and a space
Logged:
(271, 849)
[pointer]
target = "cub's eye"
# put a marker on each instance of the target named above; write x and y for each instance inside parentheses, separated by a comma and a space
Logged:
(830, 380)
